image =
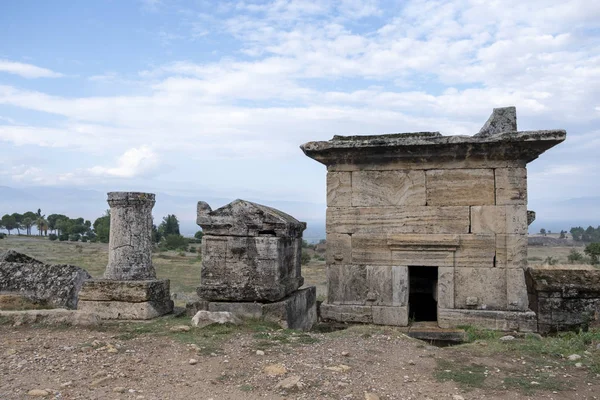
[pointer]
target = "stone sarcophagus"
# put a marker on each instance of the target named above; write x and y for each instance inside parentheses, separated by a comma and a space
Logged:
(250, 252)
(429, 227)
(251, 264)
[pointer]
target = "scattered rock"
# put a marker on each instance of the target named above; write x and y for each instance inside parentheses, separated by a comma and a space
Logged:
(339, 368)
(534, 383)
(574, 357)
(260, 353)
(180, 328)
(275, 370)
(66, 384)
(411, 362)
(204, 318)
(193, 361)
(578, 365)
(290, 383)
(119, 389)
(99, 374)
(371, 396)
(100, 381)
(38, 393)
(507, 338)
(457, 397)
(345, 354)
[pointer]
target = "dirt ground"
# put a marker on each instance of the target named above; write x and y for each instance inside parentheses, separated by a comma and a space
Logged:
(150, 361)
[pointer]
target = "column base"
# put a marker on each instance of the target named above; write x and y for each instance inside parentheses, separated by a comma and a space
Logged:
(126, 299)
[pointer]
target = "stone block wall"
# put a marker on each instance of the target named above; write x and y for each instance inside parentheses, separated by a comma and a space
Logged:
(470, 221)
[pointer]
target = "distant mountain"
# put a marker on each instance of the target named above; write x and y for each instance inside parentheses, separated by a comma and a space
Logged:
(91, 204)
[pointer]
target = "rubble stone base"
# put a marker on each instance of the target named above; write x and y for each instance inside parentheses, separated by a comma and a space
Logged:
(126, 299)
(296, 311)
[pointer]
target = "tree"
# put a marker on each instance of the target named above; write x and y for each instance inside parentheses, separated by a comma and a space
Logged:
(543, 231)
(175, 242)
(575, 256)
(102, 227)
(563, 234)
(199, 235)
(18, 220)
(29, 219)
(593, 250)
(53, 220)
(577, 232)
(9, 222)
(156, 236)
(169, 226)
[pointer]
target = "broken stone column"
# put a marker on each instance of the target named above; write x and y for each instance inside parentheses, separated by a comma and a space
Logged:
(251, 265)
(129, 289)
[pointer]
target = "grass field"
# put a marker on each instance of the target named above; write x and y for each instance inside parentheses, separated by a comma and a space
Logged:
(183, 269)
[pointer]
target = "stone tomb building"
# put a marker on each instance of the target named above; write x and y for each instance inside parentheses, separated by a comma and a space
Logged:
(251, 264)
(422, 226)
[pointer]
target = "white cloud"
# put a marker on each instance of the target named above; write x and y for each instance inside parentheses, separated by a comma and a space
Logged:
(133, 163)
(27, 70)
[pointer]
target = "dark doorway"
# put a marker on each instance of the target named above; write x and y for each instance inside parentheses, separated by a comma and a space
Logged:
(422, 295)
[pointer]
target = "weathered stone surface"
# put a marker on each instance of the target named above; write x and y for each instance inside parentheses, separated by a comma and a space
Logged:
(347, 284)
(205, 318)
(250, 253)
(55, 285)
(395, 316)
(502, 120)
(130, 244)
(425, 258)
(499, 219)
(516, 290)
(511, 251)
(511, 186)
(245, 218)
(460, 187)
(395, 220)
(50, 317)
(530, 217)
(339, 248)
(523, 321)
(476, 251)
(126, 310)
(388, 188)
(369, 249)
(445, 287)
(296, 311)
(339, 189)
(488, 285)
(347, 313)
(130, 291)
(387, 286)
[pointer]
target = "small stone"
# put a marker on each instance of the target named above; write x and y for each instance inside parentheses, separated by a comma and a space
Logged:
(507, 338)
(260, 353)
(534, 383)
(112, 350)
(180, 328)
(457, 397)
(290, 383)
(274, 370)
(345, 354)
(99, 374)
(411, 362)
(578, 365)
(193, 361)
(371, 396)
(598, 346)
(204, 318)
(66, 384)
(339, 368)
(574, 357)
(38, 393)
(100, 381)
(119, 389)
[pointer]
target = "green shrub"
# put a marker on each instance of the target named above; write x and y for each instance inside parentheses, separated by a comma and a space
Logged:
(84, 239)
(174, 242)
(52, 236)
(305, 258)
(63, 237)
(575, 257)
(192, 249)
(2, 235)
(75, 237)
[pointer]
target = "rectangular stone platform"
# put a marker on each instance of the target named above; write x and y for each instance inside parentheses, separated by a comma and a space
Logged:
(126, 299)
(296, 311)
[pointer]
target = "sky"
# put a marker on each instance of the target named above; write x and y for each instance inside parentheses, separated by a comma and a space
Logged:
(213, 99)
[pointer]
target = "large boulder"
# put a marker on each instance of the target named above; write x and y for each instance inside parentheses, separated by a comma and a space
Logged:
(55, 285)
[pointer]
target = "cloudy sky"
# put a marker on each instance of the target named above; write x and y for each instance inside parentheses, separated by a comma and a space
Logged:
(214, 97)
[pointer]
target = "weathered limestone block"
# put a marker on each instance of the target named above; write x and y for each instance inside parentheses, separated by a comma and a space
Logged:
(130, 243)
(488, 285)
(511, 186)
(130, 291)
(387, 286)
(56, 316)
(516, 290)
(395, 220)
(499, 219)
(339, 248)
(55, 285)
(511, 251)
(339, 189)
(460, 187)
(523, 321)
(347, 313)
(423, 258)
(476, 251)
(424, 164)
(394, 316)
(347, 284)
(502, 120)
(388, 188)
(370, 249)
(126, 310)
(445, 287)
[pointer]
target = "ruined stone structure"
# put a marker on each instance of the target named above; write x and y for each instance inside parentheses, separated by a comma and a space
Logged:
(564, 299)
(44, 284)
(251, 264)
(430, 227)
(129, 289)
